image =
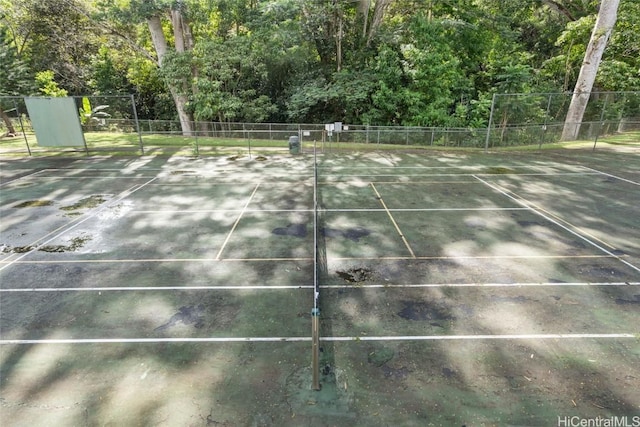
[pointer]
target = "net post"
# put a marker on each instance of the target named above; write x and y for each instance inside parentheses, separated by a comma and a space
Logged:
(315, 358)
(315, 312)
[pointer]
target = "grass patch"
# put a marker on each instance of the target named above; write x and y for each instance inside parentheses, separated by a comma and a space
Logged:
(128, 144)
(75, 244)
(86, 203)
(34, 204)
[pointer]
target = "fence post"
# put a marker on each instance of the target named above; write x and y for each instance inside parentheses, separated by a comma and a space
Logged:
(135, 118)
(24, 134)
(604, 108)
(544, 126)
(486, 142)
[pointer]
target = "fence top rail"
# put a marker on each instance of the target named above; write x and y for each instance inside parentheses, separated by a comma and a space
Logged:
(622, 92)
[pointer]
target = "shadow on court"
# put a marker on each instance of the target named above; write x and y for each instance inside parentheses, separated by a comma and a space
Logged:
(456, 289)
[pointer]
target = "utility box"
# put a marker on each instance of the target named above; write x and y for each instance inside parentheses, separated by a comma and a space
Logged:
(294, 145)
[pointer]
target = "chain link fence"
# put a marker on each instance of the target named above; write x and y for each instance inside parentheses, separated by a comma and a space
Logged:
(539, 118)
(110, 124)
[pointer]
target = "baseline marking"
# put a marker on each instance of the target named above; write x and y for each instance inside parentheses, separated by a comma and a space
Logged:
(158, 288)
(335, 339)
(324, 210)
(381, 258)
(427, 210)
(462, 174)
(484, 285)
(91, 176)
(345, 286)
(395, 224)
(220, 211)
(480, 337)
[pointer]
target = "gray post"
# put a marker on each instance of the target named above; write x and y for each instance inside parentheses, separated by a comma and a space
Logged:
(493, 103)
(24, 134)
(604, 108)
(135, 118)
(544, 127)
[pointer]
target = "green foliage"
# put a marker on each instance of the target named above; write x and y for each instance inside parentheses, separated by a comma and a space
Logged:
(427, 63)
(15, 76)
(47, 85)
(230, 76)
(55, 35)
(91, 116)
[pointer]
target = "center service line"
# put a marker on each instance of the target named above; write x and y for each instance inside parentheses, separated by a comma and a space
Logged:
(395, 224)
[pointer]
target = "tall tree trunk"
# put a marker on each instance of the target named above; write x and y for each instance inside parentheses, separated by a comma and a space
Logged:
(363, 11)
(378, 14)
(7, 122)
(599, 37)
(339, 44)
(179, 99)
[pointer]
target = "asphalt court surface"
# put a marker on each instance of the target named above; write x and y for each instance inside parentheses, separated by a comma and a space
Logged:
(218, 226)
(215, 252)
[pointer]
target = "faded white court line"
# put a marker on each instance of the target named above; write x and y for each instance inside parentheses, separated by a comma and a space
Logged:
(326, 339)
(548, 216)
(20, 178)
(157, 288)
(335, 178)
(235, 224)
(73, 224)
(345, 286)
(395, 224)
(613, 176)
(379, 258)
(482, 285)
(327, 210)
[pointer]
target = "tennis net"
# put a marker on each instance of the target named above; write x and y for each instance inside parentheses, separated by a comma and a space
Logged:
(319, 260)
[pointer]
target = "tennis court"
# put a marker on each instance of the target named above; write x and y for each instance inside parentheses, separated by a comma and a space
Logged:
(454, 289)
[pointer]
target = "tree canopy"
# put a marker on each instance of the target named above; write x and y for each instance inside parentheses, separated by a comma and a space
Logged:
(405, 62)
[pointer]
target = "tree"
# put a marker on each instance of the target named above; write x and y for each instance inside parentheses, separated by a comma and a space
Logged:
(15, 78)
(231, 76)
(53, 35)
(182, 40)
(154, 14)
(599, 37)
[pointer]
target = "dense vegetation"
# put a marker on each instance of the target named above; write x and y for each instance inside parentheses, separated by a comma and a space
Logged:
(405, 62)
